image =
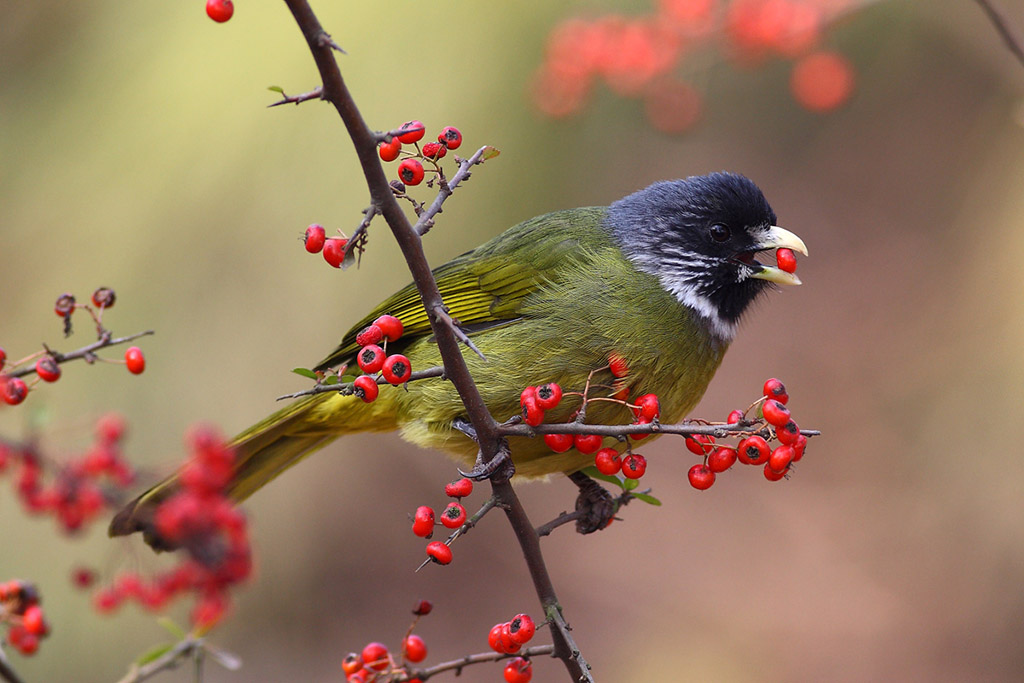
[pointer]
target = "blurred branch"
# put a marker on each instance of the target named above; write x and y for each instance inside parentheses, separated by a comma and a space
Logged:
(86, 352)
(457, 665)
(6, 672)
(1009, 34)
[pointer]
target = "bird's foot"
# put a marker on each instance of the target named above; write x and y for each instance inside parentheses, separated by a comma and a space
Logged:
(498, 468)
(595, 505)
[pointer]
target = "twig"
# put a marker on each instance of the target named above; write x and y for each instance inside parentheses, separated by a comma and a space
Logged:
(347, 387)
(682, 428)
(171, 659)
(358, 239)
(458, 664)
(6, 672)
(86, 352)
(314, 94)
(426, 219)
(1009, 35)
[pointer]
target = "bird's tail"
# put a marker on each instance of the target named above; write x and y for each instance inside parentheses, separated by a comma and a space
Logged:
(262, 452)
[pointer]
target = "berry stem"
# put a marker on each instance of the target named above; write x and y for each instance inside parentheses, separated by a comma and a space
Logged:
(86, 352)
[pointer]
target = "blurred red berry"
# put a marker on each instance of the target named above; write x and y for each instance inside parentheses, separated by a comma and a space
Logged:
(370, 335)
(220, 10)
(414, 649)
(376, 656)
(3, 358)
(799, 446)
(47, 369)
(822, 81)
(772, 475)
(416, 130)
(314, 238)
(334, 251)
(13, 390)
(135, 361)
(672, 106)
(701, 477)
(366, 388)
(65, 305)
(434, 150)
(647, 408)
(103, 297)
(83, 577)
(389, 151)
(397, 369)
(110, 428)
(423, 607)
(450, 137)
(352, 663)
(617, 365)
(559, 443)
(735, 417)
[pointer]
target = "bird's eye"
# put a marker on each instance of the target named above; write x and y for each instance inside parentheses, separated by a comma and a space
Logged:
(720, 233)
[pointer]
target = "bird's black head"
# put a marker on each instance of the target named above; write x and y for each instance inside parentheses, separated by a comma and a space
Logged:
(698, 236)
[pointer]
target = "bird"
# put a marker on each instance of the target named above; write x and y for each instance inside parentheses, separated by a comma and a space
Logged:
(660, 278)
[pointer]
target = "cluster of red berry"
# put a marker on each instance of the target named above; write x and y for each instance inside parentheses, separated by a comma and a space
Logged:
(452, 517)
(375, 662)
(220, 10)
(333, 248)
(19, 607)
(636, 56)
(775, 420)
(373, 358)
(81, 488)
(507, 639)
(410, 169)
(201, 519)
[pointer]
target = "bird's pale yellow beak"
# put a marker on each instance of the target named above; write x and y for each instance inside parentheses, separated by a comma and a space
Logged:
(778, 238)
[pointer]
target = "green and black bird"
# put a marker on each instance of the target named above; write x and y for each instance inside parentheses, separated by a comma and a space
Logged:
(660, 278)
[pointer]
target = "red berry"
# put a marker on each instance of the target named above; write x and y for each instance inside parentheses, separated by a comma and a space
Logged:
(775, 413)
(370, 335)
(314, 238)
(390, 327)
(3, 358)
(83, 577)
(799, 446)
(700, 444)
(634, 466)
(375, 656)
(13, 390)
(647, 408)
(587, 443)
(135, 361)
(822, 81)
(532, 414)
(521, 629)
(608, 461)
(772, 475)
(410, 172)
(638, 437)
(423, 522)
(439, 552)
(352, 663)
(434, 150)
(48, 369)
(753, 450)
(559, 443)
(505, 642)
(453, 516)
(103, 297)
(33, 620)
(366, 388)
(389, 151)
(334, 251)
(774, 388)
(65, 305)
(29, 644)
(414, 649)
(459, 489)
(450, 137)
(413, 135)
(788, 433)
(423, 608)
(397, 369)
(617, 365)
(371, 359)
(220, 10)
(721, 459)
(786, 260)
(735, 417)
(548, 396)
(518, 670)
(780, 458)
(701, 477)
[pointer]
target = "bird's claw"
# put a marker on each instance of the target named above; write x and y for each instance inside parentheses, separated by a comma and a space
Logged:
(498, 468)
(595, 505)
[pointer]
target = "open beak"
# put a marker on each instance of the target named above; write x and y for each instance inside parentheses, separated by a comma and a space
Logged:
(777, 238)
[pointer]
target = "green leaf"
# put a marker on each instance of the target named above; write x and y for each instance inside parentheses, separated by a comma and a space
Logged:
(650, 500)
(489, 153)
(154, 654)
(276, 88)
(172, 628)
(331, 379)
(594, 474)
(630, 484)
(305, 373)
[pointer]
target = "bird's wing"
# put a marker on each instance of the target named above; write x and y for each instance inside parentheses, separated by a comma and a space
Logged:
(484, 287)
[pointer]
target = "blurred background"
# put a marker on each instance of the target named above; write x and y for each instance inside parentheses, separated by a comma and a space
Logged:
(137, 152)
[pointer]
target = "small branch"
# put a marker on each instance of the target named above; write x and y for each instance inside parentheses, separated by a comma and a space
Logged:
(458, 664)
(357, 242)
(171, 659)
(682, 428)
(6, 672)
(426, 219)
(315, 94)
(441, 312)
(1009, 35)
(86, 352)
(347, 388)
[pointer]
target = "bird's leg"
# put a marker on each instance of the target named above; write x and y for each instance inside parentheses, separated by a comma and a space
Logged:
(594, 504)
(499, 468)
